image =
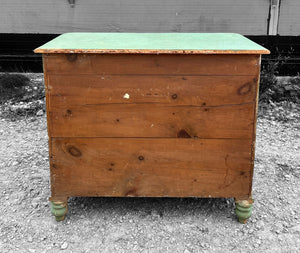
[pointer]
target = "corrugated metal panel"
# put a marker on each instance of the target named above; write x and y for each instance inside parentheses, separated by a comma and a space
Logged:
(56, 16)
(289, 18)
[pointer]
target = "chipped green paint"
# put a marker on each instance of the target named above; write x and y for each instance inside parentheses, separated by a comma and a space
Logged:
(192, 43)
(243, 210)
(59, 209)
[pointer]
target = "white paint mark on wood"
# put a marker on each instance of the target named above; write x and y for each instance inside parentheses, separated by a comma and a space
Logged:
(126, 96)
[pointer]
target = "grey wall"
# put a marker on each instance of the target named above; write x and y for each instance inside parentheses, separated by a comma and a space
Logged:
(248, 17)
(289, 17)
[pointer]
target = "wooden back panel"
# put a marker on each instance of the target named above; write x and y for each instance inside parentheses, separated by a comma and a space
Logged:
(198, 143)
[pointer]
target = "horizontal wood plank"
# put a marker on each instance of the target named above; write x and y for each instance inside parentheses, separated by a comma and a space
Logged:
(155, 120)
(152, 64)
(150, 167)
(66, 90)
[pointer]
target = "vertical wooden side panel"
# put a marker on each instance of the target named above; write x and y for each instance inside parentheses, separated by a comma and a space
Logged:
(47, 95)
(254, 128)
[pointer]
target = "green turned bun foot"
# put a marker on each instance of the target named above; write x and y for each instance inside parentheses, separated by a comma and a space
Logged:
(59, 209)
(243, 209)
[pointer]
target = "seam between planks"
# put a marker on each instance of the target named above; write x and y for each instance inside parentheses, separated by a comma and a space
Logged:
(175, 138)
(54, 73)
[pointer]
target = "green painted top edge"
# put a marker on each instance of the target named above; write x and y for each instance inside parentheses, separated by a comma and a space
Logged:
(152, 41)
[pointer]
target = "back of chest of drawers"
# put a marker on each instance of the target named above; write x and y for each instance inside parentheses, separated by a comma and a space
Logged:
(151, 125)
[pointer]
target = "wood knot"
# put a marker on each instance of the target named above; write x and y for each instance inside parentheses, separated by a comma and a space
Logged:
(68, 113)
(244, 89)
(71, 57)
(174, 96)
(131, 193)
(74, 151)
(183, 134)
(141, 158)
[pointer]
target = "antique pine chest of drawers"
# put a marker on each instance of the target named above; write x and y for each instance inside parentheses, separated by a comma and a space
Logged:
(151, 115)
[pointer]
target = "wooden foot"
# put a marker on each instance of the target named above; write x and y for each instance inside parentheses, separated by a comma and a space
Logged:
(243, 209)
(59, 209)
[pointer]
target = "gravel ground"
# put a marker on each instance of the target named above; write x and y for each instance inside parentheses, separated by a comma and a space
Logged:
(147, 224)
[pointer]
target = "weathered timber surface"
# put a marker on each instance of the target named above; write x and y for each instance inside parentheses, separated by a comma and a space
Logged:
(152, 64)
(155, 120)
(70, 90)
(150, 167)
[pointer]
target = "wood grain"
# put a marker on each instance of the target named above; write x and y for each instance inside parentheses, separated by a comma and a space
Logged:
(150, 167)
(66, 90)
(142, 120)
(134, 64)
(186, 129)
